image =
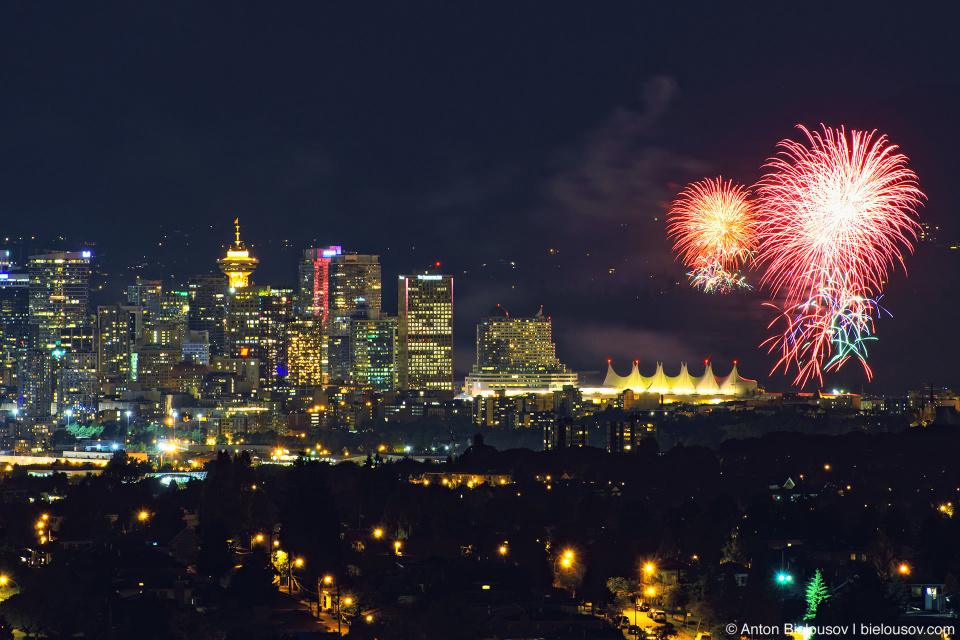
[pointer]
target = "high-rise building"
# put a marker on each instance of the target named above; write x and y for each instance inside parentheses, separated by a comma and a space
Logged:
(255, 329)
(313, 293)
(59, 291)
(76, 376)
(373, 351)
(239, 264)
(305, 340)
(355, 282)
(517, 354)
(36, 385)
(333, 286)
(425, 332)
(14, 312)
(146, 295)
(208, 308)
(119, 332)
(174, 306)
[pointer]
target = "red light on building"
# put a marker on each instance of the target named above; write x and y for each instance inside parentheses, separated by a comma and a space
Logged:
(244, 352)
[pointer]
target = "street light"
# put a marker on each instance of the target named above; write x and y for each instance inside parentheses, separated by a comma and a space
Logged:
(330, 580)
(5, 581)
(69, 414)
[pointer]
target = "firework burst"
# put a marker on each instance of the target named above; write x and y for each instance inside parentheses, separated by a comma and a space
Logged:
(712, 224)
(833, 219)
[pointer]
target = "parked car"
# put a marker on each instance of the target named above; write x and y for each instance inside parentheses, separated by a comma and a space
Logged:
(643, 606)
(621, 621)
(704, 636)
(659, 616)
(634, 630)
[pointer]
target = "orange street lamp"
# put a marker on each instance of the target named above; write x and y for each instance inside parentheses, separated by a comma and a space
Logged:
(649, 568)
(904, 569)
(378, 533)
(143, 515)
(6, 581)
(503, 549)
(396, 547)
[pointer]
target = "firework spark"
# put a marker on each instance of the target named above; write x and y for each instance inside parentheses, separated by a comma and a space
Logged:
(712, 224)
(833, 219)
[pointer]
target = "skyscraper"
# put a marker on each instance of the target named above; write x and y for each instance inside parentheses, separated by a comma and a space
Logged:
(425, 332)
(119, 332)
(313, 293)
(208, 308)
(304, 340)
(333, 286)
(59, 291)
(14, 310)
(256, 318)
(239, 264)
(516, 353)
(372, 351)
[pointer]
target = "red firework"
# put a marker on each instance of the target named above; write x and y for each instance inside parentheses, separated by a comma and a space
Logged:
(841, 208)
(713, 226)
(834, 217)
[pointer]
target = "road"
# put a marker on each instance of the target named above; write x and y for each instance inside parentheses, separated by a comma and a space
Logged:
(643, 620)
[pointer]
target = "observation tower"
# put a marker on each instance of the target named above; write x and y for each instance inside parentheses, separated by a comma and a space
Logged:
(238, 265)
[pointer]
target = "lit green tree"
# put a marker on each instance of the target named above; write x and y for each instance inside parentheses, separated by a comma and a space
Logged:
(816, 593)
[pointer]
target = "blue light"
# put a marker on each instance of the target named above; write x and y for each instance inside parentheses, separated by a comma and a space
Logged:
(85, 254)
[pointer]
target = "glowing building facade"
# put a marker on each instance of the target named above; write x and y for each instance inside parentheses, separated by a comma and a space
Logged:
(313, 295)
(373, 352)
(516, 354)
(59, 292)
(305, 364)
(14, 313)
(425, 332)
(682, 384)
(119, 332)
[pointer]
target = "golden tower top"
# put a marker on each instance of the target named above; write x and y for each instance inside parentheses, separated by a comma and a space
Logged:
(238, 265)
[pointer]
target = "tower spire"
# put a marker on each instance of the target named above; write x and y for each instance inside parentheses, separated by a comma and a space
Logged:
(237, 223)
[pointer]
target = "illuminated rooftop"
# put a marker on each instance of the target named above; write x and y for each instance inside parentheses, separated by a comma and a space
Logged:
(238, 265)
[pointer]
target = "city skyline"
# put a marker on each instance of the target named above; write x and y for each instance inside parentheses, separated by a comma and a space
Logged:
(537, 171)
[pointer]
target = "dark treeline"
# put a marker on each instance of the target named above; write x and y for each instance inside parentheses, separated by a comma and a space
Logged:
(881, 497)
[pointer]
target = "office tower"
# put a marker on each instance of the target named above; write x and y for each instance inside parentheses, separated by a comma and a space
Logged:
(76, 383)
(372, 350)
(152, 366)
(119, 332)
(239, 264)
(333, 285)
(36, 383)
(146, 295)
(174, 306)
(313, 291)
(255, 324)
(208, 308)
(516, 353)
(425, 332)
(305, 349)
(196, 347)
(59, 290)
(14, 311)
(355, 282)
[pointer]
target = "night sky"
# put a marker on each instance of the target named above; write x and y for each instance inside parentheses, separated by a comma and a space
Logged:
(532, 148)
